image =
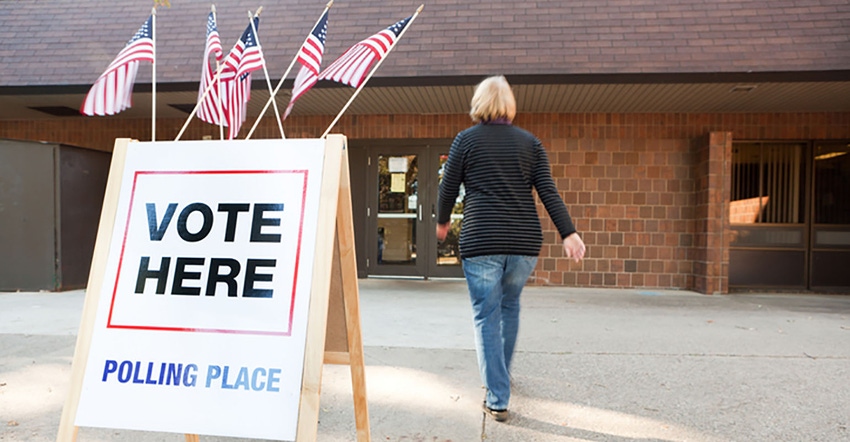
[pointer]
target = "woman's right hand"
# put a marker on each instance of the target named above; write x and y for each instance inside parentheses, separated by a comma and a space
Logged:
(443, 230)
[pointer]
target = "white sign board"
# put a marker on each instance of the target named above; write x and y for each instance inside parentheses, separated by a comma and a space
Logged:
(202, 317)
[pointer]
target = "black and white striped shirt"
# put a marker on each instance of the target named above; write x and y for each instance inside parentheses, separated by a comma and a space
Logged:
(499, 164)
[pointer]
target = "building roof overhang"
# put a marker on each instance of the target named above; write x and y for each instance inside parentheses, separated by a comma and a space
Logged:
(694, 93)
(583, 56)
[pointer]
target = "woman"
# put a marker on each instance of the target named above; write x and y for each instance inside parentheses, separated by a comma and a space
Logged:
(499, 164)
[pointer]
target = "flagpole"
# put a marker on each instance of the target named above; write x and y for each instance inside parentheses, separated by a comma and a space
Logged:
(201, 100)
(216, 78)
(418, 10)
(153, 77)
(218, 101)
(266, 72)
(283, 78)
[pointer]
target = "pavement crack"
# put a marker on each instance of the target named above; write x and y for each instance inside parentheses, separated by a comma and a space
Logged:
(690, 355)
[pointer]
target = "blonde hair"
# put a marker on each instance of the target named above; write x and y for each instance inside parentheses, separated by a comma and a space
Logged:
(493, 99)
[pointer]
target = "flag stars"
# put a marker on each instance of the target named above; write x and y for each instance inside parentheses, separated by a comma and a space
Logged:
(321, 29)
(396, 28)
(143, 32)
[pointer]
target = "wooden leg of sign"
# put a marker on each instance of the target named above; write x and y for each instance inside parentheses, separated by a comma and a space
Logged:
(308, 413)
(193, 438)
(351, 296)
(67, 430)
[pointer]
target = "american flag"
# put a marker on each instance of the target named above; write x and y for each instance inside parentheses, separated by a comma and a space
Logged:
(245, 57)
(208, 111)
(352, 66)
(310, 57)
(113, 90)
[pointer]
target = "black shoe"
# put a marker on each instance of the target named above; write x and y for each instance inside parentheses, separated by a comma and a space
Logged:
(497, 415)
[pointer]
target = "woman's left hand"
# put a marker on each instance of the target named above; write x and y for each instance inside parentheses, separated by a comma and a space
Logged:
(574, 247)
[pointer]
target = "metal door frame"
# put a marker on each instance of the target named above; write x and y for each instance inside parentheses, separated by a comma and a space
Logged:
(428, 151)
(808, 226)
(813, 228)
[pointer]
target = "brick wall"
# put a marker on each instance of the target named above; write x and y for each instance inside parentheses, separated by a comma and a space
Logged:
(642, 188)
(712, 174)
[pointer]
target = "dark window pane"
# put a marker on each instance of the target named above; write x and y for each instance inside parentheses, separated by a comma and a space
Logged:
(832, 183)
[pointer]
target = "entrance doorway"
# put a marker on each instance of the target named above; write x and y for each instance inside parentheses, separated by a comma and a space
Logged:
(790, 216)
(402, 178)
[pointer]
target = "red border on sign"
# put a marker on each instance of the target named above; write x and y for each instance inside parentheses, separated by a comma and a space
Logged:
(288, 331)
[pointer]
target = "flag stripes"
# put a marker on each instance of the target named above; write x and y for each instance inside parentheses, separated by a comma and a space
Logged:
(311, 53)
(112, 92)
(245, 57)
(310, 58)
(208, 111)
(351, 68)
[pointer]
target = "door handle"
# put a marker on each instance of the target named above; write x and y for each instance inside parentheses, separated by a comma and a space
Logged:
(419, 212)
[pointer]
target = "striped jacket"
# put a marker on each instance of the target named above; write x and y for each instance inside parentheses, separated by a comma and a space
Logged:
(498, 165)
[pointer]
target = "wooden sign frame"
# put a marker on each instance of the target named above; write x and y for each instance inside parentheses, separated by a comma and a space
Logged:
(334, 289)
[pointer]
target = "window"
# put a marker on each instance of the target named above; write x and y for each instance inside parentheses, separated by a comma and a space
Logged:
(767, 183)
(832, 183)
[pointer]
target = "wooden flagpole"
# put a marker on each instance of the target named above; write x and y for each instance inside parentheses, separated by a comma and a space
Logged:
(218, 82)
(266, 72)
(280, 83)
(350, 100)
(198, 104)
(153, 76)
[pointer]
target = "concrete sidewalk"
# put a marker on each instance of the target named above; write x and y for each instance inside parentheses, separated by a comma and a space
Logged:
(592, 365)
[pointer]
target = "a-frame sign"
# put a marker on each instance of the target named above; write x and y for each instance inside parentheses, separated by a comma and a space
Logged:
(215, 267)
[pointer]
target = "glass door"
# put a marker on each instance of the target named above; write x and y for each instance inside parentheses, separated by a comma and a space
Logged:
(398, 215)
(767, 216)
(402, 213)
(830, 238)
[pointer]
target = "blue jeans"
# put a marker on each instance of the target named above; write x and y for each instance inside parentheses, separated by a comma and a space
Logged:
(495, 283)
